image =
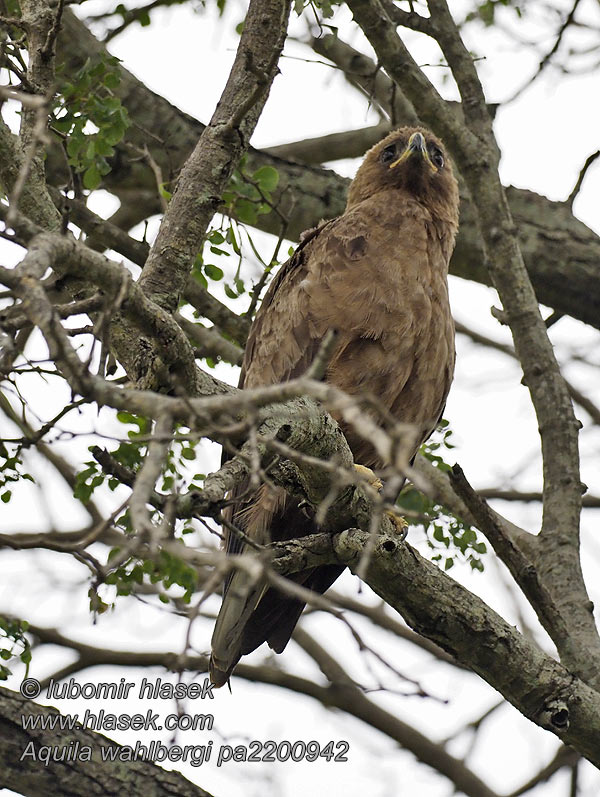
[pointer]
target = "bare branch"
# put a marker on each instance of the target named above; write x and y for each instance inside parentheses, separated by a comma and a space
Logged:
(59, 463)
(568, 21)
(584, 402)
(147, 477)
(589, 501)
(339, 693)
(584, 170)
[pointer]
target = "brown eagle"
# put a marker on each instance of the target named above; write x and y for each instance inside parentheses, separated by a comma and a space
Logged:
(377, 274)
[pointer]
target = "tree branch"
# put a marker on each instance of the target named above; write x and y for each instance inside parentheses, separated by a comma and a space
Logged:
(578, 397)
(339, 693)
(24, 774)
(208, 169)
(464, 626)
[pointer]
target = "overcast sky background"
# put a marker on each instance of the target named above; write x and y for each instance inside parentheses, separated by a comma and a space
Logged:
(545, 137)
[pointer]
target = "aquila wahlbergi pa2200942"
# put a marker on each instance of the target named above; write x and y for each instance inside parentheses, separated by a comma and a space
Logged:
(377, 275)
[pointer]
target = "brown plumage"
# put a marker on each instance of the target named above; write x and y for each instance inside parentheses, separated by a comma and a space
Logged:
(377, 275)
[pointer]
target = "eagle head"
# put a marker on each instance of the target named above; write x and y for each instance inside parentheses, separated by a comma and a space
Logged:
(413, 161)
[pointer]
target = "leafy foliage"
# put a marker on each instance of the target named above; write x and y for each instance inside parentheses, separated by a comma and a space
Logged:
(130, 571)
(13, 644)
(165, 568)
(486, 11)
(449, 537)
(324, 6)
(89, 98)
(249, 196)
(220, 242)
(11, 471)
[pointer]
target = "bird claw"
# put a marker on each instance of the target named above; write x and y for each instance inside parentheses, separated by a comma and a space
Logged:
(369, 476)
(399, 523)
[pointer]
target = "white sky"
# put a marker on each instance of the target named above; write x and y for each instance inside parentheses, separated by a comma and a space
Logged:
(545, 136)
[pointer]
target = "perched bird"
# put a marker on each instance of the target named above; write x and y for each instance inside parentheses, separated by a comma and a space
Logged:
(377, 274)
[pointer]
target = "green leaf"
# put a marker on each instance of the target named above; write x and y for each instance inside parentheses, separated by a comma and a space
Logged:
(438, 534)
(92, 178)
(199, 277)
(213, 272)
(126, 417)
(267, 178)
(113, 134)
(112, 104)
(103, 147)
(74, 144)
(5, 497)
(112, 80)
(246, 211)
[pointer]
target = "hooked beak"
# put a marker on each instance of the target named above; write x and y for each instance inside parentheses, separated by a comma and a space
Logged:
(416, 145)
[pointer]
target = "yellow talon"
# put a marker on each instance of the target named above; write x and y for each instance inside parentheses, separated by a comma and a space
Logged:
(399, 522)
(368, 474)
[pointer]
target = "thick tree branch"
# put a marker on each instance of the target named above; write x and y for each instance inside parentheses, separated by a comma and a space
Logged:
(25, 775)
(331, 147)
(208, 169)
(464, 626)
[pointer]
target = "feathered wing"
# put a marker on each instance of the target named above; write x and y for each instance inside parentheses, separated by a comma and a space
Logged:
(377, 275)
(282, 343)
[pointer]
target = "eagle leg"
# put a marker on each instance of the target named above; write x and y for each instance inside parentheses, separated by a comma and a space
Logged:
(399, 522)
(368, 475)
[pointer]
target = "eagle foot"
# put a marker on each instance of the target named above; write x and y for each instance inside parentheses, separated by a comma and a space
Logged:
(400, 524)
(371, 478)
(398, 521)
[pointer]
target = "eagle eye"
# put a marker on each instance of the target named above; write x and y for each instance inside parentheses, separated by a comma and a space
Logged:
(436, 157)
(388, 154)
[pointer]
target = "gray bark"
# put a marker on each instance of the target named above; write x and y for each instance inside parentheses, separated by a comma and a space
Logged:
(78, 777)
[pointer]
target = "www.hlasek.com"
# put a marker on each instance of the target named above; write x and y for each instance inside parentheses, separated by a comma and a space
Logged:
(155, 750)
